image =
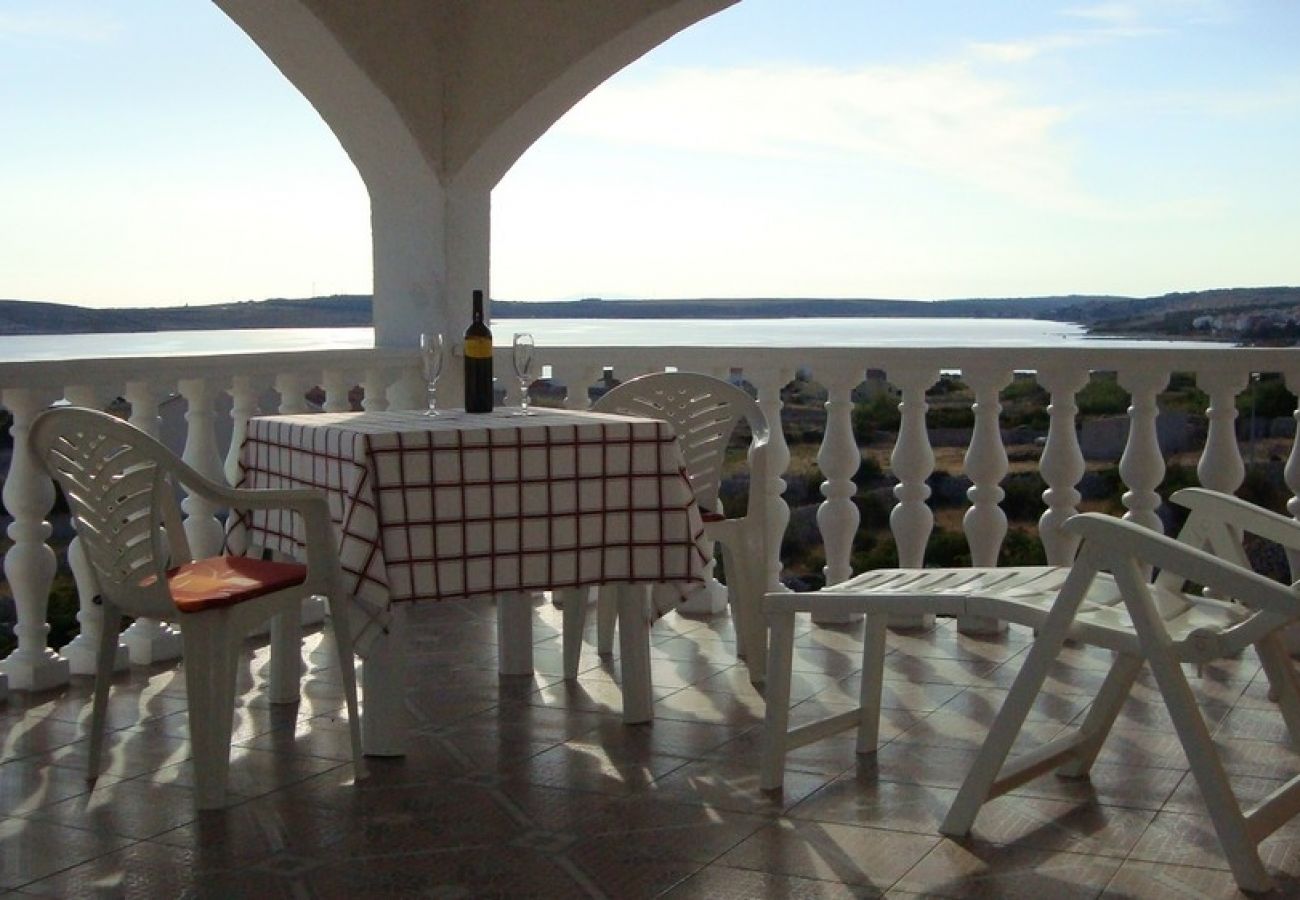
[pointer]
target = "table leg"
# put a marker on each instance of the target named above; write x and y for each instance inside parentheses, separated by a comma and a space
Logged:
(634, 653)
(385, 720)
(515, 634)
(286, 658)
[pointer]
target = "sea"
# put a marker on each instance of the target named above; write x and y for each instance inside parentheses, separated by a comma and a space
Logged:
(823, 332)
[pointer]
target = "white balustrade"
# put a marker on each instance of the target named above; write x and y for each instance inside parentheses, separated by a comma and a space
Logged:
(1143, 465)
(29, 564)
(202, 527)
(148, 640)
(838, 458)
(393, 379)
(911, 520)
(82, 652)
(769, 383)
(337, 389)
(985, 523)
(1221, 467)
(1062, 464)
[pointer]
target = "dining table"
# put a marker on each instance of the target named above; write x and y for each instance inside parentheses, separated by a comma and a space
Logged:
(442, 508)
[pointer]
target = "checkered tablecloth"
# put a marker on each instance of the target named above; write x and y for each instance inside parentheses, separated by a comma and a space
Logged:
(463, 505)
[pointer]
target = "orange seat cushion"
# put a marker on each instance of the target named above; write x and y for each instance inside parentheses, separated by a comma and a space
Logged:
(710, 516)
(221, 581)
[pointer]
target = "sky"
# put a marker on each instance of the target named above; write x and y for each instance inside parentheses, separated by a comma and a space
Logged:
(151, 155)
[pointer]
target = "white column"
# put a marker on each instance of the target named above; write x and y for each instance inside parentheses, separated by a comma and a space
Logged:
(1062, 463)
(1142, 466)
(985, 522)
(912, 461)
(82, 652)
(29, 564)
(1220, 467)
(148, 640)
(769, 383)
(202, 527)
(838, 458)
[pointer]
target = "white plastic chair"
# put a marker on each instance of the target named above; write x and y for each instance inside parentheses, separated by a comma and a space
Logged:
(120, 485)
(1105, 598)
(704, 411)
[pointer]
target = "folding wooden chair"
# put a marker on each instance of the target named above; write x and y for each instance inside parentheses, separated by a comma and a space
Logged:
(1106, 598)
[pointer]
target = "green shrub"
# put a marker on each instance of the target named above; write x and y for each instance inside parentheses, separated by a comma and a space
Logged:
(951, 417)
(1102, 397)
(1269, 397)
(1024, 497)
(880, 413)
(1022, 548)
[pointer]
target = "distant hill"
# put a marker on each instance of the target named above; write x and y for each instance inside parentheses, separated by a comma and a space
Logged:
(1134, 314)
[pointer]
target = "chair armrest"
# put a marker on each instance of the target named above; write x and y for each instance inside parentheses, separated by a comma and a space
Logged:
(1233, 511)
(1121, 540)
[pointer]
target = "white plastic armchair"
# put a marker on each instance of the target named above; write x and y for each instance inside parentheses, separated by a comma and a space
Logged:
(704, 412)
(121, 488)
(1162, 624)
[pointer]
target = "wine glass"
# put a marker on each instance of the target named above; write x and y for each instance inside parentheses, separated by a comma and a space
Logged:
(524, 357)
(431, 355)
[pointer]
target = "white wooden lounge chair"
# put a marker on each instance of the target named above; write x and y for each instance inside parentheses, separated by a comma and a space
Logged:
(1108, 599)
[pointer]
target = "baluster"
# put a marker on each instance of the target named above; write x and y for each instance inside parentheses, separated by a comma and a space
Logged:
(202, 527)
(82, 652)
(1291, 472)
(337, 387)
(376, 391)
(577, 379)
(30, 563)
(292, 388)
(1062, 463)
(769, 383)
(148, 640)
(839, 458)
(244, 406)
(1142, 466)
(985, 523)
(912, 461)
(1220, 467)
(410, 391)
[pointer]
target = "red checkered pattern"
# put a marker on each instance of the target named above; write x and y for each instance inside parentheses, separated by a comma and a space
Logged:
(451, 507)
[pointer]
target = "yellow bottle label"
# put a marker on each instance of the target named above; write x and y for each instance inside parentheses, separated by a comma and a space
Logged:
(478, 348)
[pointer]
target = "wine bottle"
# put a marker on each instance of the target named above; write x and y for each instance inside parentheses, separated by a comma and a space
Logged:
(478, 361)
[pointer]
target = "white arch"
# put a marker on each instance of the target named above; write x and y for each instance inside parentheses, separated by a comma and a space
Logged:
(430, 188)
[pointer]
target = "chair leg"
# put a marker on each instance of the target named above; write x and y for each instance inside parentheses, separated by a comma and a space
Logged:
(105, 656)
(1283, 683)
(873, 682)
(286, 657)
(1225, 811)
(211, 658)
(736, 600)
(606, 618)
(777, 694)
(573, 603)
(341, 624)
(979, 781)
(1101, 717)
